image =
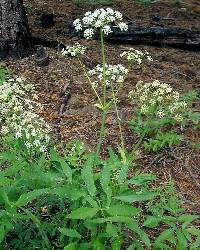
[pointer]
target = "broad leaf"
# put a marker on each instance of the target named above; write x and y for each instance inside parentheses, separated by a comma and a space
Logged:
(83, 213)
(88, 175)
(70, 232)
(137, 196)
(123, 209)
(30, 196)
(152, 221)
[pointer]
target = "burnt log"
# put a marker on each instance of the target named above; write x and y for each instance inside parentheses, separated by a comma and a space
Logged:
(14, 31)
(158, 36)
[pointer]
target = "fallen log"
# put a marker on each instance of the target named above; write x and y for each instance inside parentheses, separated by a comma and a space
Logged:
(157, 36)
(186, 39)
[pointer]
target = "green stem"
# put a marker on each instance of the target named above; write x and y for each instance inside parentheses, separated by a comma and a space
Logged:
(37, 223)
(118, 118)
(89, 80)
(139, 142)
(101, 132)
(103, 52)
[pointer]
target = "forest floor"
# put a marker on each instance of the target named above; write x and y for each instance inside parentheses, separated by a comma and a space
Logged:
(81, 120)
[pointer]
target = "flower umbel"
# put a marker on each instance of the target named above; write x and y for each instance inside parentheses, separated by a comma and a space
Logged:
(136, 56)
(74, 51)
(100, 19)
(158, 99)
(115, 73)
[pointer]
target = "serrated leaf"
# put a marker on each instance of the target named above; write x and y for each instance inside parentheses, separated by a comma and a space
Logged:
(117, 243)
(137, 196)
(136, 246)
(123, 172)
(133, 225)
(193, 231)
(165, 235)
(83, 213)
(30, 196)
(152, 221)
(88, 176)
(71, 246)
(98, 244)
(142, 179)
(187, 219)
(105, 180)
(123, 209)
(182, 241)
(66, 170)
(120, 219)
(70, 232)
(111, 230)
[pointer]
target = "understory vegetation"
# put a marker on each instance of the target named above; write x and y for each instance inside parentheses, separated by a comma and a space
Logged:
(68, 197)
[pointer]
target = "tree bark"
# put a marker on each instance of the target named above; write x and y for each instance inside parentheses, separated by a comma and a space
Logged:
(15, 38)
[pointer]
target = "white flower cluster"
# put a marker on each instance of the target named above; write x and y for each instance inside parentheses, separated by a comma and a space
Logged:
(136, 56)
(99, 19)
(18, 117)
(113, 73)
(75, 50)
(158, 99)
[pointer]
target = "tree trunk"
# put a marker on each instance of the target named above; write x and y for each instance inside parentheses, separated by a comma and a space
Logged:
(14, 32)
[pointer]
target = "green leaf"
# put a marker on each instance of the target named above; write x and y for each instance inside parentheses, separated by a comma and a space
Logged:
(136, 245)
(117, 243)
(137, 196)
(83, 213)
(193, 231)
(133, 225)
(70, 232)
(123, 172)
(142, 179)
(111, 230)
(71, 246)
(98, 244)
(88, 176)
(120, 219)
(187, 219)
(152, 221)
(66, 170)
(165, 235)
(105, 180)
(182, 241)
(30, 196)
(123, 209)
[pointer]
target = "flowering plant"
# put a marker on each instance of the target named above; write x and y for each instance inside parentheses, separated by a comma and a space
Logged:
(136, 56)
(158, 99)
(114, 73)
(18, 117)
(100, 19)
(77, 50)
(105, 75)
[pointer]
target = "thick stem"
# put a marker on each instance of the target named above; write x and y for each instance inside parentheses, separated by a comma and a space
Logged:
(101, 132)
(103, 52)
(118, 118)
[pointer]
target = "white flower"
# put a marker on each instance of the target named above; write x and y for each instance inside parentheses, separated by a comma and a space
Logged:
(99, 19)
(88, 33)
(123, 26)
(160, 113)
(107, 30)
(43, 149)
(115, 73)
(135, 56)
(74, 51)
(18, 134)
